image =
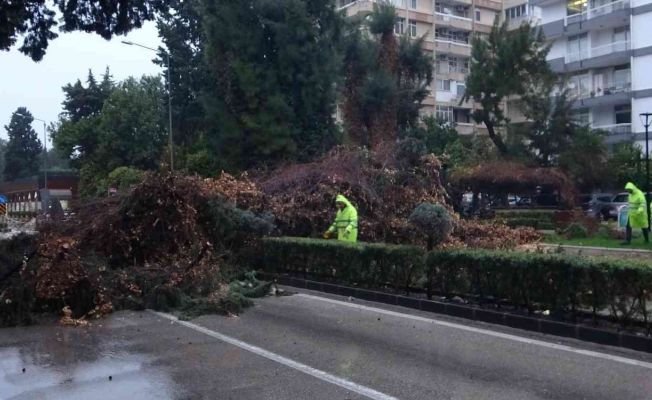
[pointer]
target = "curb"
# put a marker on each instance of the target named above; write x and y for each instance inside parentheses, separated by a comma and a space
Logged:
(546, 326)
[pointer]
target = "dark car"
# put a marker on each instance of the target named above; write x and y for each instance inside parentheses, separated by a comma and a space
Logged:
(596, 205)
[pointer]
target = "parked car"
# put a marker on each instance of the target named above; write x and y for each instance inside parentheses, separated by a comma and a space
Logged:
(619, 200)
(596, 205)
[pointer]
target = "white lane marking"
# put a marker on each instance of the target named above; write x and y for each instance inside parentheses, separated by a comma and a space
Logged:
(487, 332)
(324, 376)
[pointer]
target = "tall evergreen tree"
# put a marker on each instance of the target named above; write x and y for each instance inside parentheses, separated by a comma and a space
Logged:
(3, 151)
(181, 32)
(505, 64)
(271, 93)
(23, 148)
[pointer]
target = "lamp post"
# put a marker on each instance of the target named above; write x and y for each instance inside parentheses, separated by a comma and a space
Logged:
(45, 153)
(646, 120)
(171, 143)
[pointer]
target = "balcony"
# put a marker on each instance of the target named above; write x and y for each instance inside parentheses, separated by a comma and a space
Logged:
(464, 128)
(358, 7)
(492, 4)
(513, 23)
(608, 94)
(453, 21)
(615, 129)
(453, 72)
(598, 51)
(452, 46)
(592, 13)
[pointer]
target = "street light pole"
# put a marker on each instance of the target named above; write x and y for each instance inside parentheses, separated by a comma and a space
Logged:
(170, 141)
(645, 120)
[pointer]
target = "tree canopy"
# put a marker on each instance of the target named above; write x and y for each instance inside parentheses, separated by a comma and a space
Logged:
(35, 20)
(23, 148)
(506, 63)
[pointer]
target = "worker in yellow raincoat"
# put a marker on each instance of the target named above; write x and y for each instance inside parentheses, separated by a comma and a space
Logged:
(346, 221)
(637, 213)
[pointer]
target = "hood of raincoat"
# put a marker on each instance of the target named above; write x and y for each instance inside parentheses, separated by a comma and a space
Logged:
(631, 186)
(341, 199)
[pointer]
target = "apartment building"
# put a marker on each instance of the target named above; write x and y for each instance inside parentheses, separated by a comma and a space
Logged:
(604, 47)
(447, 26)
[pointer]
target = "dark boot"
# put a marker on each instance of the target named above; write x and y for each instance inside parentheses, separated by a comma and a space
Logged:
(628, 236)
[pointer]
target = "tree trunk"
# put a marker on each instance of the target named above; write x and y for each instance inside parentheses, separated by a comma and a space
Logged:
(498, 141)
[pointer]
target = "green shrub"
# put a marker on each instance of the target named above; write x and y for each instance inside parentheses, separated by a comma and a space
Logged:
(561, 284)
(542, 215)
(545, 281)
(433, 221)
(576, 231)
(537, 219)
(371, 264)
(123, 178)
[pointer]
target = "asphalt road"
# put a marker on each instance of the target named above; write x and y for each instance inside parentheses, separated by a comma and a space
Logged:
(311, 346)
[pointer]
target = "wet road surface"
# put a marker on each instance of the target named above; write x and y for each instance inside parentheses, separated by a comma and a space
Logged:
(311, 347)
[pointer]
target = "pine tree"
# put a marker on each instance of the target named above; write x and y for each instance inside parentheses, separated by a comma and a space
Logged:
(505, 64)
(23, 148)
(271, 93)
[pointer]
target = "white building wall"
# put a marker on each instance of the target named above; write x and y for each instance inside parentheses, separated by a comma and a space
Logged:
(642, 72)
(641, 30)
(639, 106)
(636, 3)
(553, 12)
(486, 16)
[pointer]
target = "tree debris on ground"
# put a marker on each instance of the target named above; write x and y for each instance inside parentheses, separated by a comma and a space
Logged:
(183, 242)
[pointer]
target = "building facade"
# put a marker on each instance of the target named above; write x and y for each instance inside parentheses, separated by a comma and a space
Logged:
(604, 48)
(447, 26)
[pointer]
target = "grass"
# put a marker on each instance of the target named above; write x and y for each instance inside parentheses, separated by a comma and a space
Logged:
(598, 241)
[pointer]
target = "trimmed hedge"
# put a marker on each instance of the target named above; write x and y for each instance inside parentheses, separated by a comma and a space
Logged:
(564, 285)
(530, 223)
(371, 264)
(543, 215)
(561, 284)
(537, 219)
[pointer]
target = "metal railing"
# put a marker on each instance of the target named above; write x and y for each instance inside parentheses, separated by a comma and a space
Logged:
(446, 68)
(439, 16)
(603, 90)
(598, 51)
(597, 12)
(615, 129)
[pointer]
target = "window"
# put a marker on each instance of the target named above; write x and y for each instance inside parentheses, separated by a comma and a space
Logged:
(580, 86)
(413, 4)
(621, 34)
(412, 28)
(576, 6)
(477, 15)
(578, 46)
(461, 89)
(398, 27)
(622, 78)
(582, 116)
(444, 85)
(444, 113)
(623, 114)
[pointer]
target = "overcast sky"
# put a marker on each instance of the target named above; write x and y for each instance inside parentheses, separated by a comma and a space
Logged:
(37, 86)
